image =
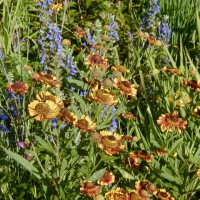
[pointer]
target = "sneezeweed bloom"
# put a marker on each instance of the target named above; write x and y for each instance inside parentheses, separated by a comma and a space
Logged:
(44, 96)
(67, 116)
(79, 32)
(118, 194)
(142, 191)
(132, 161)
(196, 112)
(103, 96)
(95, 60)
(121, 69)
(162, 194)
(133, 195)
(85, 124)
(125, 87)
(108, 178)
(173, 71)
(193, 84)
(47, 79)
(56, 6)
(90, 189)
(145, 185)
(142, 155)
(43, 110)
(171, 122)
(18, 87)
(128, 115)
(111, 143)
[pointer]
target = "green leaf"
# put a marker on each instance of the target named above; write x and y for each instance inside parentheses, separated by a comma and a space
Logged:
(44, 144)
(125, 174)
(97, 175)
(88, 3)
(22, 161)
(80, 101)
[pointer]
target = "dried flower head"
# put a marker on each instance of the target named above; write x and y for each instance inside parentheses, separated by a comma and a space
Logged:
(90, 189)
(107, 179)
(85, 124)
(103, 96)
(125, 87)
(43, 110)
(18, 87)
(79, 32)
(170, 122)
(110, 142)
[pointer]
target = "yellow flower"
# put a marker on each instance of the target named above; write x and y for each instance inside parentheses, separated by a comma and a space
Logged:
(43, 110)
(162, 194)
(85, 124)
(110, 142)
(96, 61)
(118, 194)
(170, 122)
(56, 6)
(196, 112)
(44, 96)
(125, 87)
(120, 68)
(103, 96)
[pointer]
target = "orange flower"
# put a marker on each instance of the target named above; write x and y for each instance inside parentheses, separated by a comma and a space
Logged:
(17, 87)
(89, 189)
(43, 110)
(79, 32)
(125, 87)
(67, 116)
(196, 112)
(110, 142)
(193, 84)
(107, 179)
(85, 124)
(46, 79)
(96, 61)
(120, 68)
(118, 194)
(173, 71)
(44, 96)
(161, 194)
(142, 155)
(103, 96)
(132, 161)
(128, 115)
(170, 122)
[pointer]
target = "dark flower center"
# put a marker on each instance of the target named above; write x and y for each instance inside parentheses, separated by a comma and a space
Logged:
(96, 59)
(42, 108)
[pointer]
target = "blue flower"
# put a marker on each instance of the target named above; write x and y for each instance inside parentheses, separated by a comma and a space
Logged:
(4, 128)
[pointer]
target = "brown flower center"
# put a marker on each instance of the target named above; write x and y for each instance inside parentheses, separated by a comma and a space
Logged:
(82, 124)
(163, 194)
(96, 59)
(42, 108)
(18, 86)
(110, 141)
(103, 96)
(125, 86)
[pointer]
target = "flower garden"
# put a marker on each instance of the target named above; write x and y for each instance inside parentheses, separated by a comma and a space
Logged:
(100, 99)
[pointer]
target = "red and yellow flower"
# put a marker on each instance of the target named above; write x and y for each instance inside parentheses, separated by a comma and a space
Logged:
(118, 194)
(85, 124)
(90, 189)
(125, 87)
(103, 96)
(171, 121)
(162, 194)
(46, 79)
(67, 116)
(111, 143)
(193, 84)
(120, 68)
(96, 61)
(18, 87)
(107, 179)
